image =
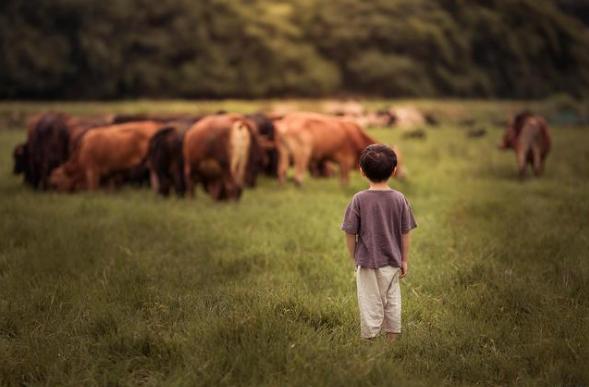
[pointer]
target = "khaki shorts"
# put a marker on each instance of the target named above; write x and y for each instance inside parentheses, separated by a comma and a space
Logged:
(379, 300)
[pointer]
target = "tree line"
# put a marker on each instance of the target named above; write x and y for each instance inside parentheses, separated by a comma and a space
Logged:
(104, 49)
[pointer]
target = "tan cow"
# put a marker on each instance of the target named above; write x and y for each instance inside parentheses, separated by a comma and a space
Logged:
(102, 152)
(315, 138)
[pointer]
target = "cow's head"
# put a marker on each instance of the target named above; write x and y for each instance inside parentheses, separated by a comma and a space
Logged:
(63, 179)
(508, 139)
(20, 157)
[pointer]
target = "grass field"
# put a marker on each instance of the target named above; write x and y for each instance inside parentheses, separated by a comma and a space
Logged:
(131, 289)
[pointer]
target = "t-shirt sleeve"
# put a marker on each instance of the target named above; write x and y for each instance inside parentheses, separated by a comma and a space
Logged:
(351, 223)
(407, 218)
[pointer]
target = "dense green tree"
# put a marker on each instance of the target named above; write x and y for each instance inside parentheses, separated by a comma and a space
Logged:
(258, 48)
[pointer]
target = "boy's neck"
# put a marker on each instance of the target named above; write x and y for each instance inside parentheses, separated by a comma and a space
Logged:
(380, 186)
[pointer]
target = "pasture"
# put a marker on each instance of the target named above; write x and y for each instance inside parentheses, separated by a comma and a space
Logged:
(127, 288)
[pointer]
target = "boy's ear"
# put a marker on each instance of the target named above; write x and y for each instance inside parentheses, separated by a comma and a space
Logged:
(394, 171)
(362, 172)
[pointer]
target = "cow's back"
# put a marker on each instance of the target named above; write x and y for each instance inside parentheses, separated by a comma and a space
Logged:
(207, 139)
(324, 135)
(358, 137)
(116, 147)
(534, 133)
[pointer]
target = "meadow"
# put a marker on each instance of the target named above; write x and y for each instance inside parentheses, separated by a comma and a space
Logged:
(128, 288)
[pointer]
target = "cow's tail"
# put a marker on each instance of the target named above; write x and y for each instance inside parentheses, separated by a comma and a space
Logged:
(239, 147)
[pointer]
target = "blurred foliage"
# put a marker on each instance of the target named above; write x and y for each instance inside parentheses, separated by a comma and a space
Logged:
(260, 48)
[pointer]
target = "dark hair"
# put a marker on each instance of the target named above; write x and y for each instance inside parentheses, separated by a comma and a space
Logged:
(377, 162)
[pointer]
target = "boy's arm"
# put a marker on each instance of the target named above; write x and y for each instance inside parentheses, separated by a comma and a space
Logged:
(406, 241)
(351, 244)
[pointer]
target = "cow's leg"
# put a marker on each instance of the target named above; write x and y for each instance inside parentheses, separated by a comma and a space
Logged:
(302, 160)
(538, 162)
(154, 181)
(346, 164)
(232, 190)
(216, 189)
(92, 179)
(165, 185)
(177, 177)
(345, 169)
(188, 180)
(283, 162)
(521, 161)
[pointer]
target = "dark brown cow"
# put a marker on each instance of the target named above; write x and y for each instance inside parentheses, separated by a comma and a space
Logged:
(105, 153)
(262, 149)
(529, 136)
(48, 147)
(165, 161)
(315, 138)
(217, 152)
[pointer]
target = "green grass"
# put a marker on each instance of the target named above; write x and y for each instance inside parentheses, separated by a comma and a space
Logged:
(131, 289)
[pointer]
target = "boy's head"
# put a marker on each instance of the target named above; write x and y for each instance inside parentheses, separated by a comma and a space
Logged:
(378, 162)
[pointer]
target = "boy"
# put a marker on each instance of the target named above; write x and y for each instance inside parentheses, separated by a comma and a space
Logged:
(377, 223)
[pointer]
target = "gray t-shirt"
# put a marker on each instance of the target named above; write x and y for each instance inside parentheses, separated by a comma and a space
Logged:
(379, 218)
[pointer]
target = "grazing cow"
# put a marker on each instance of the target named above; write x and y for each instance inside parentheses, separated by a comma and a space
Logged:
(311, 138)
(529, 136)
(104, 153)
(165, 161)
(217, 152)
(47, 147)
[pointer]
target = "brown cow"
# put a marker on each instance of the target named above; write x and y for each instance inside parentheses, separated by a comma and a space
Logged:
(310, 138)
(529, 136)
(103, 153)
(217, 152)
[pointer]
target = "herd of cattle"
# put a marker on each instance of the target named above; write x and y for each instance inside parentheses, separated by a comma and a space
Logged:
(224, 152)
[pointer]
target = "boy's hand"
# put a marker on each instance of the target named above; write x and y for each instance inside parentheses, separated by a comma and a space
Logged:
(404, 269)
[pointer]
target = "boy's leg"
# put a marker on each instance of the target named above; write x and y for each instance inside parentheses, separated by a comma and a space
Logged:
(369, 302)
(390, 286)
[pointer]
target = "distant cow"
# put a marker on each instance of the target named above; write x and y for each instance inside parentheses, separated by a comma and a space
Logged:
(529, 136)
(165, 161)
(314, 139)
(217, 153)
(103, 153)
